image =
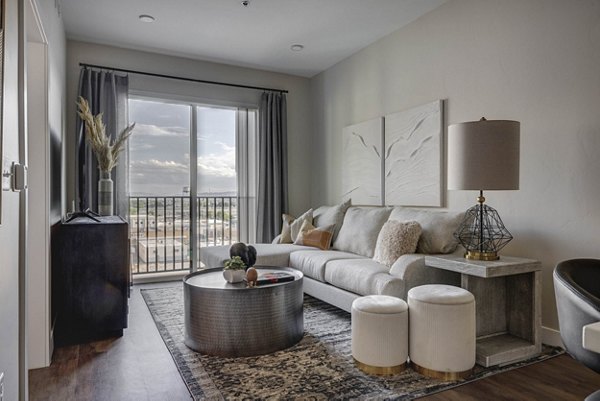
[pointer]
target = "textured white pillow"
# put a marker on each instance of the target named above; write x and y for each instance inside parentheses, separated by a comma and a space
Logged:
(331, 215)
(437, 227)
(395, 239)
(360, 230)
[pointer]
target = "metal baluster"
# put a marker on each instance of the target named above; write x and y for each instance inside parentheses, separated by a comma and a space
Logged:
(174, 220)
(215, 221)
(147, 236)
(230, 199)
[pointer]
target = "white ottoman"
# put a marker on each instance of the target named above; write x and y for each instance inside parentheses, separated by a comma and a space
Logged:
(380, 334)
(442, 331)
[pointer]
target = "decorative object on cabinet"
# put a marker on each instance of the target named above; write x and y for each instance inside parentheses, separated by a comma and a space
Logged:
(106, 151)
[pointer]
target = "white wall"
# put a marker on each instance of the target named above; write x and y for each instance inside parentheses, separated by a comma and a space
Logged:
(535, 61)
(299, 124)
(9, 228)
(46, 102)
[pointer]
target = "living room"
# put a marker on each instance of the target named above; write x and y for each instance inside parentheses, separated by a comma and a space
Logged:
(531, 61)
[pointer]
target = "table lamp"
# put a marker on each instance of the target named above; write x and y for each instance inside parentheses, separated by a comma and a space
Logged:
(483, 155)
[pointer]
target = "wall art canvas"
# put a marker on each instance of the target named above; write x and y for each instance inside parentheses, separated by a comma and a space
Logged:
(413, 156)
(362, 179)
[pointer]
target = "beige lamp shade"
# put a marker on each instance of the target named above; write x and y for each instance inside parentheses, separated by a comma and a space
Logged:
(484, 155)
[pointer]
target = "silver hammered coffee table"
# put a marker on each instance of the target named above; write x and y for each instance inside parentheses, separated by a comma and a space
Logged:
(232, 320)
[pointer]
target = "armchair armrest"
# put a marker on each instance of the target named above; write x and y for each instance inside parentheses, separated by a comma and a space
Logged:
(591, 337)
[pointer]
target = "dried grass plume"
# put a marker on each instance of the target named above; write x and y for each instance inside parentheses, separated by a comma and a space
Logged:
(106, 151)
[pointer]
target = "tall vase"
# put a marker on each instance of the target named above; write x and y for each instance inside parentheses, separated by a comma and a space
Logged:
(105, 194)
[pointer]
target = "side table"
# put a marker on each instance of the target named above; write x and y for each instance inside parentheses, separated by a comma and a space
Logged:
(508, 305)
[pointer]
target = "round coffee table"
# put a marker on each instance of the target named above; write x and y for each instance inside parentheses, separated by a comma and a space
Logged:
(232, 320)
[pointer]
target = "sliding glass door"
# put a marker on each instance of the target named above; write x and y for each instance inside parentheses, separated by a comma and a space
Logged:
(177, 206)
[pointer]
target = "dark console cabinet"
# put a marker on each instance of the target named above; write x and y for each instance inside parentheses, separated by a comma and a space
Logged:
(90, 279)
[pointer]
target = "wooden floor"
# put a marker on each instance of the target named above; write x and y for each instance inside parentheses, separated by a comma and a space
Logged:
(139, 367)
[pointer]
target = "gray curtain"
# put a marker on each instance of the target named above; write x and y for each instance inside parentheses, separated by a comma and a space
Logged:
(272, 167)
(106, 93)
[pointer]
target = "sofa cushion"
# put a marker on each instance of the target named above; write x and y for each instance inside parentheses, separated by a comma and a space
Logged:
(360, 230)
(437, 227)
(395, 239)
(363, 277)
(312, 262)
(266, 254)
(317, 237)
(327, 215)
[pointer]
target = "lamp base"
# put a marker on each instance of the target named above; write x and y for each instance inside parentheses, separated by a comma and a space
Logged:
(474, 255)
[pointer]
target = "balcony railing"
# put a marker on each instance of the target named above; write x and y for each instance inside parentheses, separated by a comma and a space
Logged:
(161, 230)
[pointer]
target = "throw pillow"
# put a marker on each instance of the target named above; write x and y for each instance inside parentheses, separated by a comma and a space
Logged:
(286, 231)
(296, 225)
(320, 237)
(360, 229)
(395, 239)
(328, 215)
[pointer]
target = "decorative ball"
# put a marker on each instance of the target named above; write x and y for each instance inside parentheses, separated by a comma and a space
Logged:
(245, 252)
(251, 275)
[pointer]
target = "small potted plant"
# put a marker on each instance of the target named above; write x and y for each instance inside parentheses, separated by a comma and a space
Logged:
(234, 270)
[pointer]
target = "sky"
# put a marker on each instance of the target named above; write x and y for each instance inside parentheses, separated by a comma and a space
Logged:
(159, 149)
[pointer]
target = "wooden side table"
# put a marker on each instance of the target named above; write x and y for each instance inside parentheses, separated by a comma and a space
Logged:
(508, 305)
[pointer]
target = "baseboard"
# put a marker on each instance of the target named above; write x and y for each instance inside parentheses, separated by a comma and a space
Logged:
(158, 277)
(551, 337)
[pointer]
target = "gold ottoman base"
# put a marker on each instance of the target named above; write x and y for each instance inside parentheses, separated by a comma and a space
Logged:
(436, 374)
(380, 370)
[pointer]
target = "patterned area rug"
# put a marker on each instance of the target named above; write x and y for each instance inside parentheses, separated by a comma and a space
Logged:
(319, 367)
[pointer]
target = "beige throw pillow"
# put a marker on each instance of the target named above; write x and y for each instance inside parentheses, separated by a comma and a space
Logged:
(291, 226)
(320, 237)
(396, 239)
(286, 230)
(297, 224)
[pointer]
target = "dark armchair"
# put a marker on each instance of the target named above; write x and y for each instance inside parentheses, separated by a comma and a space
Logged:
(577, 288)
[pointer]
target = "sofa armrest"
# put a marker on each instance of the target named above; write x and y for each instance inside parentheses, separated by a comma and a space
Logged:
(412, 270)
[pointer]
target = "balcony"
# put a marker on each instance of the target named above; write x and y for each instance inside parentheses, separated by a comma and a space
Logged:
(161, 230)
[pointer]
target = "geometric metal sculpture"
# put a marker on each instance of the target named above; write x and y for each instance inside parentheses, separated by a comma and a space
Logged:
(482, 232)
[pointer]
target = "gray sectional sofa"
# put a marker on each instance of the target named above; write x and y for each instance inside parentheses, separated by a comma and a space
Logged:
(347, 270)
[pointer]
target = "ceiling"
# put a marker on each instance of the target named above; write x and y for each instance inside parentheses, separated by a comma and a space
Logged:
(256, 36)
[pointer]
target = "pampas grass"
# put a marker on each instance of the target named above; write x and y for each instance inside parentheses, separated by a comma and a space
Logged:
(106, 151)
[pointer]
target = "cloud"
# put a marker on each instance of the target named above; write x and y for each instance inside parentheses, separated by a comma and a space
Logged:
(154, 130)
(220, 164)
(153, 164)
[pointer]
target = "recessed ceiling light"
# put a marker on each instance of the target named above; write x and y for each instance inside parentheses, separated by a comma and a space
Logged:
(297, 48)
(146, 18)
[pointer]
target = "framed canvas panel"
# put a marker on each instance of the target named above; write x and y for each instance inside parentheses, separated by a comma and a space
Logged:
(362, 180)
(413, 156)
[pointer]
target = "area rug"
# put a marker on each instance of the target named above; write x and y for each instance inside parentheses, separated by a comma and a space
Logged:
(319, 367)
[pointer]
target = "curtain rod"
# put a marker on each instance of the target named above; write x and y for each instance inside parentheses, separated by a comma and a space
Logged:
(202, 81)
